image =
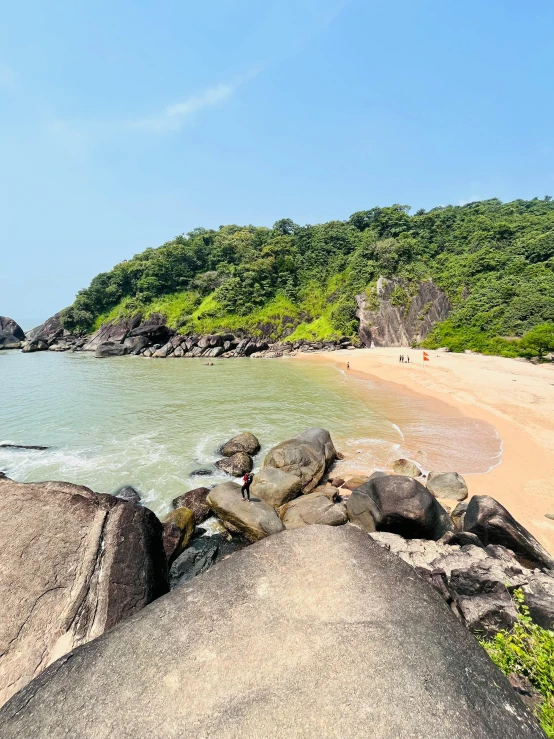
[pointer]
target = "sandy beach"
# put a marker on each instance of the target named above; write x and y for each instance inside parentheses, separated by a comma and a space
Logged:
(516, 397)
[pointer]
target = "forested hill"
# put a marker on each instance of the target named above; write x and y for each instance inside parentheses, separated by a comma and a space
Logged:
(494, 260)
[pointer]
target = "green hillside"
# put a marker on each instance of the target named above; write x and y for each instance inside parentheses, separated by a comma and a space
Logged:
(494, 260)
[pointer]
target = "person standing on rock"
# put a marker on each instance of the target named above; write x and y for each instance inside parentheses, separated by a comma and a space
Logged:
(246, 482)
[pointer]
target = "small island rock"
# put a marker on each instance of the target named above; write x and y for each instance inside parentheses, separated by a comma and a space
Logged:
(406, 467)
(237, 465)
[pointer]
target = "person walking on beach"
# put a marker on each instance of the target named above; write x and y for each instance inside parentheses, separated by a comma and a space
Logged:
(408, 359)
(400, 359)
(246, 482)
(348, 365)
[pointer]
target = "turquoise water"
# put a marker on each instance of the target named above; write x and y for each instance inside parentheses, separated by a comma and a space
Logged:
(150, 423)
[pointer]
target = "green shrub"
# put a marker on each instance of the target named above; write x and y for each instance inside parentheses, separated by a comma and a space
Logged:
(528, 650)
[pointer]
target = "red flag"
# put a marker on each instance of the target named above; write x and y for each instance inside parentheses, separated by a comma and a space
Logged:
(425, 357)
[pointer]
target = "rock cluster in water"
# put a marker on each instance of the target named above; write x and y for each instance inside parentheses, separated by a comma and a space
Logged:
(303, 588)
(153, 338)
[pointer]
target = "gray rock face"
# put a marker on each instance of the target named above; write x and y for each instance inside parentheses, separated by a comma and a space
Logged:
(449, 485)
(254, 518)
(128, 493)
(275, 486)
(400, 505)
(476, 581)
(9, 326)
(48, 331)
(245, 442)
(73, 565)
(114, 331)
(201, 554)
(111, 349)
(311, 509)
(237, 465)
(400, 325)
(307, 456)
(298, 617)
(493, 524)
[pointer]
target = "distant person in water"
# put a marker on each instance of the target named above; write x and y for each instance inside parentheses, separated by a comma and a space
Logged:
(246, 482)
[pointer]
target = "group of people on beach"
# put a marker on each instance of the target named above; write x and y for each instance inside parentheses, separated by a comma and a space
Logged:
(404, 359)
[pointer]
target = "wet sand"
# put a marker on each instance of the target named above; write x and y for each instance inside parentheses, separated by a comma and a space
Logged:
(516, 397)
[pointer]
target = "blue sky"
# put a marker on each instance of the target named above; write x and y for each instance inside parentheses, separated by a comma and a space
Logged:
(124, 123)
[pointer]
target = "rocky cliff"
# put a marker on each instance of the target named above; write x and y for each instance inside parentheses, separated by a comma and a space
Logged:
(400, 313)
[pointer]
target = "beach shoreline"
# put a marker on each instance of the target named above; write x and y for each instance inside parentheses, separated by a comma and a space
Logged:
(515, 397)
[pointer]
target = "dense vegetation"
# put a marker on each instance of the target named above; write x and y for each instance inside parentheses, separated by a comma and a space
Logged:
(528, 650)
(494, 260)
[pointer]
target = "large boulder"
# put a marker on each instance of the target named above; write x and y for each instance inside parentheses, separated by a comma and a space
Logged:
(73, 564)
(9, 341)
(9, 326)
(314, 508)
(400, 505)
(128, 493)
(48, 331)
(237, 465)
(111, 349)
(493, 524)
(307, 456)
(195, 500)
(449, 485)
(245, 442)
(254, 518)
(275, 486)
(114, 331)
(316, 633)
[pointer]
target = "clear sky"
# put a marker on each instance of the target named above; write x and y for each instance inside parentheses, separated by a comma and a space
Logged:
(126, 122)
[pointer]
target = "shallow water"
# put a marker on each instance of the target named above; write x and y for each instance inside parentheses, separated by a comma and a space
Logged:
(150, 423)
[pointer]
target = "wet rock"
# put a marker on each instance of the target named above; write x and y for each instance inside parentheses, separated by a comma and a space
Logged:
(313, 508)
(128, 493)
(244, 442)
(178, 528)
(203, 472)
(74, 563)
(201, 554)
(275, 486)
(237, 465)
(400, 505)
(448, 485)
(407, 468)
(111, 349)
(295, 615)
(195, 500)
(254, 518)
(307, 456)
(493, 524)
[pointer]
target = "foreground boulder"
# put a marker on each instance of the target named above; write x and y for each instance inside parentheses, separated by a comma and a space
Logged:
(178, 528)
(73, 564)
(313, 633)
(245, 442)
(275, 486)
(307, 456)
(314, 508)
(400, 505)
(493, 524)
(253, 518)
(449, 485)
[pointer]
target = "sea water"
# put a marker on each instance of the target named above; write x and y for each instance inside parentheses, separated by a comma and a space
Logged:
(150, 423)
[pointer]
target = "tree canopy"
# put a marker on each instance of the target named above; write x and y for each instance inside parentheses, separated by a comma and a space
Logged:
(494, 260)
